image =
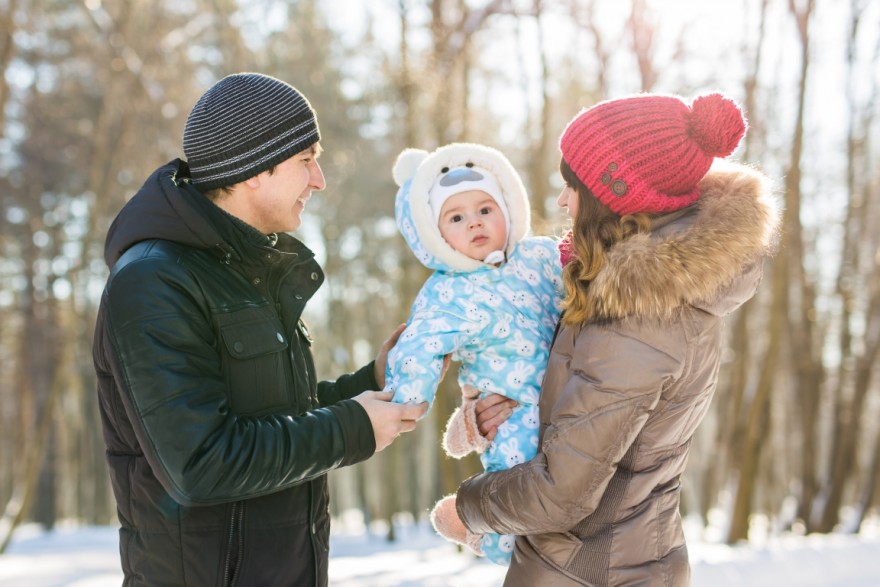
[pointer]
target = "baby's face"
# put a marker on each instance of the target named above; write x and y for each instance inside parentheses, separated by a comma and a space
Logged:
(473, 224)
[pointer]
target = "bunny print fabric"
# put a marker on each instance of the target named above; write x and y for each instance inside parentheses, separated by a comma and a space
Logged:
(499, 323)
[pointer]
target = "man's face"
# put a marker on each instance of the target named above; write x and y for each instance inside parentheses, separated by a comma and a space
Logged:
(280, 199)
(473, 224)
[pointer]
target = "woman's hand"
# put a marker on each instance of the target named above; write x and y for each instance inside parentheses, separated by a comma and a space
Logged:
(491, 412)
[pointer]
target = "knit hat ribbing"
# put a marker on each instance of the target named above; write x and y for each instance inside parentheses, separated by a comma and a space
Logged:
(243, 125)
(648, 153)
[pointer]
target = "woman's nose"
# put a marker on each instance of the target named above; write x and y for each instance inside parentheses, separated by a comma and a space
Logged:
(562, 198)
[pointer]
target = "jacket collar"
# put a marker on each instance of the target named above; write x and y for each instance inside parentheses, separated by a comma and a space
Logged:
(168, 207)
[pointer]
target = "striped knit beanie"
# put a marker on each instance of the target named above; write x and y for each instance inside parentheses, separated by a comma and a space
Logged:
(243, 125)
(648, 153)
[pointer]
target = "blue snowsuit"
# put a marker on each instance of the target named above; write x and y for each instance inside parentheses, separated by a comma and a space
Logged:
(497, 321)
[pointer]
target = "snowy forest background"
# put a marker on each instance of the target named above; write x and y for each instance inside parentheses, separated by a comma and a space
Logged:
(94, 95)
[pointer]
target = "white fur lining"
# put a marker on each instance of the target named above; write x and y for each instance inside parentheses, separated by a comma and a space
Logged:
(425, 167)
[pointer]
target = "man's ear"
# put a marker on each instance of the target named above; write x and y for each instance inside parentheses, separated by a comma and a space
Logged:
(254, 182)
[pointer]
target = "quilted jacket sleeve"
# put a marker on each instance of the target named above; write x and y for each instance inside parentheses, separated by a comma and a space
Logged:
(601, 407)
(347, 386)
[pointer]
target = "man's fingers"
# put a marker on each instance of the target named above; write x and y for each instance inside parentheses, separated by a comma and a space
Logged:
(407, 426)
(414, 411)
(392, 340)
(384, 396)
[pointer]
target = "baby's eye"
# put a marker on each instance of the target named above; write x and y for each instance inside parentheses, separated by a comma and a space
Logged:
(485, 210)
(456, 218)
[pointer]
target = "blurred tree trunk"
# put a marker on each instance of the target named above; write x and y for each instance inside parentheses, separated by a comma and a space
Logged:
(800, 324)
(732, 395)
(805, 349)
(855, 368)
(863, 179)
(39, 386)
(7, 51)
(642, 30)
(540, 151)
(750, 439)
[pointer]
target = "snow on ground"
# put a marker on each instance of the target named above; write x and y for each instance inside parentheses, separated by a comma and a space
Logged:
(88, 557)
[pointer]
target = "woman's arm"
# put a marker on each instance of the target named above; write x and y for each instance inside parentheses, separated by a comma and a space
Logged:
(614, 383)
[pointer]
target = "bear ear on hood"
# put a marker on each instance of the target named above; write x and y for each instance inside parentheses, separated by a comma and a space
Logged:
(406, 165)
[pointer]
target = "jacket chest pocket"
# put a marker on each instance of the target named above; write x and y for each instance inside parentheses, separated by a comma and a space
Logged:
(256, 361)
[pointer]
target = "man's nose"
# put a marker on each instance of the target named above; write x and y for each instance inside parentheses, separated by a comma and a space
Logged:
(317, 178)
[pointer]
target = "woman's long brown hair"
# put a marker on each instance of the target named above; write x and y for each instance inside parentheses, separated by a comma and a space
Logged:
(595, 229)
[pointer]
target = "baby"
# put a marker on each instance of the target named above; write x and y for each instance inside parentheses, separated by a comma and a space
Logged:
(492, 302)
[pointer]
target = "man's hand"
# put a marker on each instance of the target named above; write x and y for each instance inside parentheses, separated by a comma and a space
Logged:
(389, 420)
(382, 357)
(491, 411)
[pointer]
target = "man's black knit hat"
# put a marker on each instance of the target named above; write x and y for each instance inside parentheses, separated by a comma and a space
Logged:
(243, 125)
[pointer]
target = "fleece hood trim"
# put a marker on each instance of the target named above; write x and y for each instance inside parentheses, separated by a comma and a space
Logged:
(416, 171)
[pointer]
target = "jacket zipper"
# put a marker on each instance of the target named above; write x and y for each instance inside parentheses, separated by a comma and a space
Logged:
(312, 530)
(232, 568)
(312, 387)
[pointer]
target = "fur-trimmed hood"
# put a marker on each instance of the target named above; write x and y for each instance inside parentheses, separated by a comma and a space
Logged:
(415, 171)
(699, 256)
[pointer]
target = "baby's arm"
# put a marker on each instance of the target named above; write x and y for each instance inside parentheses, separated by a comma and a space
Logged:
(416, 363)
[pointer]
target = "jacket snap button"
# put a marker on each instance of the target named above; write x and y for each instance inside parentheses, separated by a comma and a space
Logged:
(313, 528)
(297, 296)
(279, 337)
(314, 277)
(238, 346)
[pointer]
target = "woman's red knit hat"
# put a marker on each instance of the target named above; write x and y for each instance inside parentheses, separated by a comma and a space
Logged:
(648, 153)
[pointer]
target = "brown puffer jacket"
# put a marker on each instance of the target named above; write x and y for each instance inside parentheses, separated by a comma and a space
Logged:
(623, 396)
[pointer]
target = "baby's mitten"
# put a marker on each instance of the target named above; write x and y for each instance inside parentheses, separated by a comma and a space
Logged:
(462, 435)
(446, 522)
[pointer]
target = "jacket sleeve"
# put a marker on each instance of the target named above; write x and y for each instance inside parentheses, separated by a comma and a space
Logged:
(159, 344)
(613, 384)
(347, 386)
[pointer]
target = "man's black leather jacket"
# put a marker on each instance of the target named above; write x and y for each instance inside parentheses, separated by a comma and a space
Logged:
(218, 435)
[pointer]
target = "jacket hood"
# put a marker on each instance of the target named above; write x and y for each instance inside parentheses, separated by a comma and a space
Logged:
(415, 171)
(705, 255)
(164, 208)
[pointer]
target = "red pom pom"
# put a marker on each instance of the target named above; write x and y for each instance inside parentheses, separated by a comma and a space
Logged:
(716, 124)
